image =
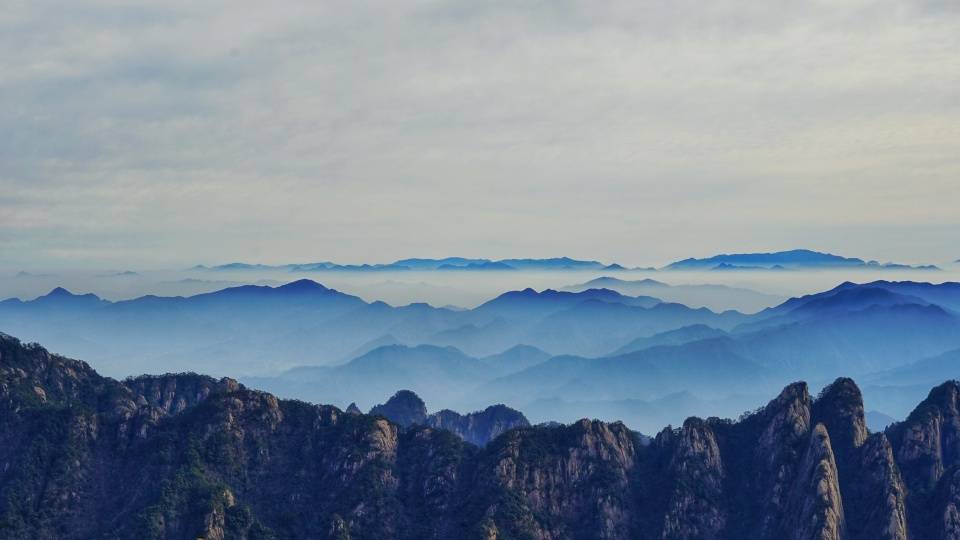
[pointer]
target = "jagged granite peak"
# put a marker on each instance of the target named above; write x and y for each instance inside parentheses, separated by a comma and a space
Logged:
(840, 408)
(926, 447)
(929, 439)
(173, 393)
(695, 508)
(479, 427)
(405, 408)
(876, 496)
(780, 433)
(187, 456)
(786, 421)
(816, 506)
(29, 375)
(353, 409)
(564, 482)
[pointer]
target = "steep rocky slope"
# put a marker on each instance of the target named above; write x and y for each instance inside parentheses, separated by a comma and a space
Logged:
(186, 456)
(479, 428)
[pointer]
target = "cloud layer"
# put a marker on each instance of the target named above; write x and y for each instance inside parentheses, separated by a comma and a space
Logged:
(364, 131)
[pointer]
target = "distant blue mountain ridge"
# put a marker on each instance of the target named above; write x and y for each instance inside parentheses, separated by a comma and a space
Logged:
(712, 296)
(796, 259)
(445, 264)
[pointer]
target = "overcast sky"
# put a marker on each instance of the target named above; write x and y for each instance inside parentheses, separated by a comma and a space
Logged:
(634, 131)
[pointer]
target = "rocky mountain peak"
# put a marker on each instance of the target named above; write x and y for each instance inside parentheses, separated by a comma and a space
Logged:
(480, 427)
(946, 397)
(697, 472)
(786, 419)
(840, 408)
(173, 393)
(405, 408)
(876, 495)
(929, 439)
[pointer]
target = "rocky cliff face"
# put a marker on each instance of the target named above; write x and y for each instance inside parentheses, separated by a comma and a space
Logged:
(405, 408)
(696, 474)
(926, 447)
(479, 428)
(186, 456)
(814, 498)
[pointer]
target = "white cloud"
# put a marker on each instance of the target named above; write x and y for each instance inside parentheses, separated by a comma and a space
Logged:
(359, 131)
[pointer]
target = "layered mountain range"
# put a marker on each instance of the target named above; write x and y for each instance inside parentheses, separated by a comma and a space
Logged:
(594, 351)
(262, 329)
(206, 458)
(712, 296)
(877, 332)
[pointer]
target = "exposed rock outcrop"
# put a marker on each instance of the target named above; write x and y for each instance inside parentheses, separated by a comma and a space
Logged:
(405, 408)
(186, 456)
(875, 496)
(815, 500)
(696, 508)
(926, 447)
(173, 393)
(479, 428)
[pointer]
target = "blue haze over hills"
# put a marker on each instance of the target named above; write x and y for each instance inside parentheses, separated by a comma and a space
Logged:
(786, 260)
(448, 263)
(468, 282)
(781, 260)
(611, 348)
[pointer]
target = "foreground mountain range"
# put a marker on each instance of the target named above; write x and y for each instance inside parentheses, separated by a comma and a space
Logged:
(186, 456)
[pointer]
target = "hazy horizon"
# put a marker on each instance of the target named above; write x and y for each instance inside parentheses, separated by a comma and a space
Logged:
(171, 265)
(166, 135)
(462, 289)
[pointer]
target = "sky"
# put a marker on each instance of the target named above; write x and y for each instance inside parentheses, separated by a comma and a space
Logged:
(162, 134)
